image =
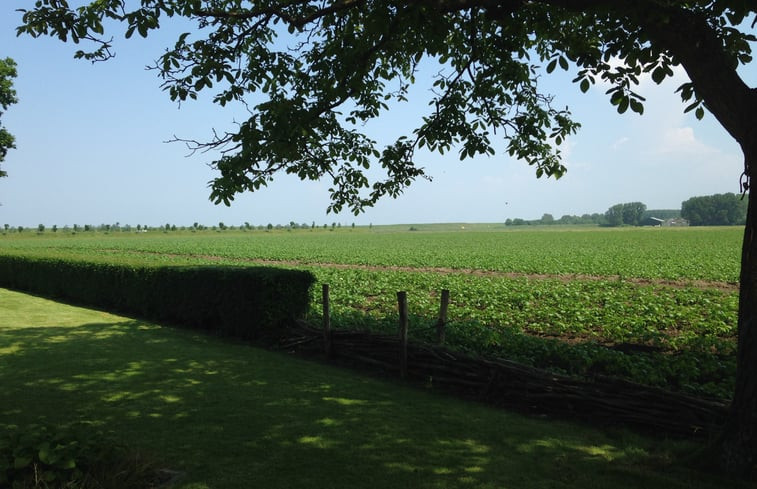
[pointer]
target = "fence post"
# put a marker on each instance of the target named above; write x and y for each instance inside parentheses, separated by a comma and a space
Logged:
(327, 339)
(402, 303)
(441, 324)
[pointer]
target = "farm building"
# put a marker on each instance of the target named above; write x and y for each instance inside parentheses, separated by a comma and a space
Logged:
(676, 222)
(652, 221)
(657, 222)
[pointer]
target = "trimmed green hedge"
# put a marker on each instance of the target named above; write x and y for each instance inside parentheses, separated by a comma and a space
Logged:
(245, 302)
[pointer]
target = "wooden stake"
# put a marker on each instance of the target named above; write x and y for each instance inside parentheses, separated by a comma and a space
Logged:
(402, 303)
(328, 347)
(442, 322)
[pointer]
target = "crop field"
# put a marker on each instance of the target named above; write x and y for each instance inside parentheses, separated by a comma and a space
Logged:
(653, 305)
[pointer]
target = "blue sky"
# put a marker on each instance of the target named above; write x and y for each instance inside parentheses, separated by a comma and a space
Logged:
(91, 150)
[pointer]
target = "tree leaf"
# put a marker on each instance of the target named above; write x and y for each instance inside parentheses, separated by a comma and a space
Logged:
(637, 106)
(21, 462)
(658, 75)
(623, 105)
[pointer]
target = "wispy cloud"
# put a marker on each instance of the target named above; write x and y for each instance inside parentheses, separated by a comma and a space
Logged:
(682, 141)
(619, 143)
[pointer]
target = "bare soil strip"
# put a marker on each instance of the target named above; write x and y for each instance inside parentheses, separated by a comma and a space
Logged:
(683, 283)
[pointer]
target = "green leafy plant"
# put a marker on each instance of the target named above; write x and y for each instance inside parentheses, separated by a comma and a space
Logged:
(40, 456)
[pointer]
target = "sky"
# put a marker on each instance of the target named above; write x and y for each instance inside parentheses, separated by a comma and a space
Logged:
(91, 149)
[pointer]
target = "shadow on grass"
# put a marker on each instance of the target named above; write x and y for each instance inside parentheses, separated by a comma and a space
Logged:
(235, 416)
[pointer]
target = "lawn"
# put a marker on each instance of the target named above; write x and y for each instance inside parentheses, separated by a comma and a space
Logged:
(232, 416)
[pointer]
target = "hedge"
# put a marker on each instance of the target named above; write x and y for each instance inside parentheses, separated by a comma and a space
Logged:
(244, 302)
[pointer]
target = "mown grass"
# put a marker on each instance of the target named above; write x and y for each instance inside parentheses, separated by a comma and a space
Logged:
(233, 416)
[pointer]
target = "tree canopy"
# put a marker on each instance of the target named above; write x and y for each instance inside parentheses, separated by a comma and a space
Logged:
(715, 210)
(7, 98)
(630, 213)
(323, 69)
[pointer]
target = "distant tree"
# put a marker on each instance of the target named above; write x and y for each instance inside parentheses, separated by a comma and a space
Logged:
(614, 215)
(7, 98)
(630, 213)
(662, 213)
(715, 210)
(312, 226)
(353, 225)
(20, 229)
(87, 227)
(633, 213)
(41, 228)
(547, 219)
(173, 227)
(6, 226)
(139, 227)
(221, 226)
(55, 228)
(270, 226)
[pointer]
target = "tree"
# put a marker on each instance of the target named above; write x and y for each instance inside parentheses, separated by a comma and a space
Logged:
(633, 213)
(714, 210)
(7, 98)
(630, 213)
(614, 215)
(321, 70)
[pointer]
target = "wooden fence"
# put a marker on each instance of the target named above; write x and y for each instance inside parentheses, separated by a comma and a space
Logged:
(501, 382)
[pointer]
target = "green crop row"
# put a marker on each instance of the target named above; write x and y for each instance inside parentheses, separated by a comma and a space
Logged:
(658, 253)
(680, 338)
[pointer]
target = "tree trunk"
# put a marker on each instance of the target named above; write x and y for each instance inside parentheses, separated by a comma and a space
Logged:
(699, 49)
(738, 449)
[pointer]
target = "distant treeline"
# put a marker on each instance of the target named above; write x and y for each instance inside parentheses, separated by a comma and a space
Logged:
(139, 228)
(712, 210)
(630, 214)
(715, 210)
(586, 219)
